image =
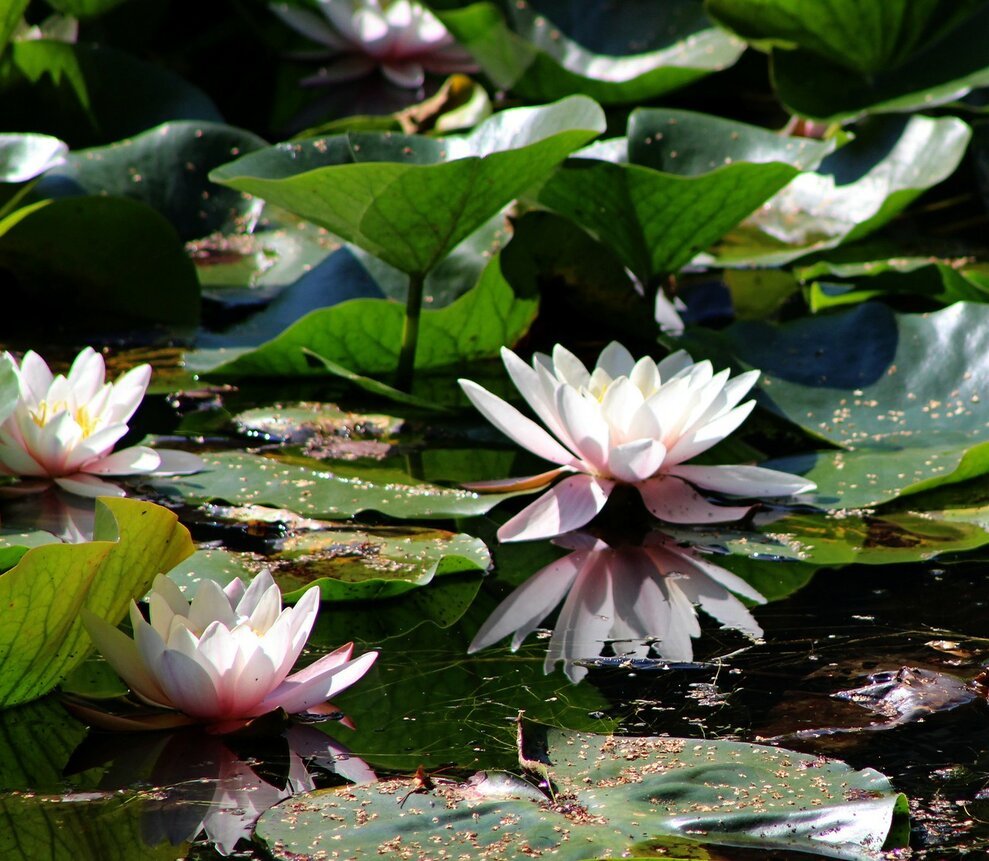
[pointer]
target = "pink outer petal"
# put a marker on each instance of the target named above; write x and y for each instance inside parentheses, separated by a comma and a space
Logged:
(17, 460)
(316, 683)
(675, 501)
(749, 481)
(189, 686)
(516, 426)
(528, 482)
(137, 460)
(527, 606)
(569, 505)
(88, 485)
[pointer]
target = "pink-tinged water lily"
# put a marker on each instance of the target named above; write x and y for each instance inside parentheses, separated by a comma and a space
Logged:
(626, 422)
(63, 428)
(401, 37)
(225, 658)
(636, 598)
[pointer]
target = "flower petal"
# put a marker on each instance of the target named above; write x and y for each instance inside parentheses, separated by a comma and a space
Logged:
(749, 481)
(516, 426)
(409, 75)
(583, 419)
(700, 440)
(567, 506)
(675, 501)
(174, 462)
(316, 683)
(636, 461)
(121, 653)
(137, 460)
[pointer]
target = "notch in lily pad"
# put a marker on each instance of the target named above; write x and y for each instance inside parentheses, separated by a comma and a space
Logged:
(409, 200)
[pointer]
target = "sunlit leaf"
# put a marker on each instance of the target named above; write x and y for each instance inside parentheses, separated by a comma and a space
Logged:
(410, 200)
(678, 184)
(613, 52)
(364, 335)
(855, 190)
(41, 638)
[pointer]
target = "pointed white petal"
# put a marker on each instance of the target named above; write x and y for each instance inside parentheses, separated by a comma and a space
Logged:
(675, 501)
(174, 462)
(636, 461)
(569, 369)
(590, 432)
(88, 485)
(698, 441)
(516, 426)
(616, 361)
(122, 654)
(316, 684)
(749, 481)
(137, 460)
(567, 506)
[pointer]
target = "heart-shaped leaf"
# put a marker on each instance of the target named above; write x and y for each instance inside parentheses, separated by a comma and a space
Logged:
(678, 184)
(410, 200)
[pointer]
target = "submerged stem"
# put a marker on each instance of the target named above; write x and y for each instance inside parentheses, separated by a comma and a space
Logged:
(410, 333)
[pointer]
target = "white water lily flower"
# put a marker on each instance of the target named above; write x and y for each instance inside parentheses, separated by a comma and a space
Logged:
(64, 428)
(626, 422)
(401, 37)
(637, 598)
(225, 658)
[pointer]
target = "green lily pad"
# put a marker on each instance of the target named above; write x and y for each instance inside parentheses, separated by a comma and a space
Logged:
(845, 58)
(855, 191)
(677, 185)
(243, 479)
(103, 243)
(41, 638)
(615, 797)
(613, 52)
(410, 200)
(370, 564)
(906, 408)
(166, 168)
(364, 335)
(846, 539)
(24, 156)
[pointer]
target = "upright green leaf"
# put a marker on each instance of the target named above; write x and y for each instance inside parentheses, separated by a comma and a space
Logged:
(678, 184)
(411, 200)
(10, 16)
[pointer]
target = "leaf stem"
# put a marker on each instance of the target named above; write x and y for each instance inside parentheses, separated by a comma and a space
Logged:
(410, 333)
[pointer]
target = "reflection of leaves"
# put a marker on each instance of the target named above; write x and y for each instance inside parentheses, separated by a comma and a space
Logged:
(36, 828)
(36, 742)
(614, 52)
(621, 794)
(425, 702)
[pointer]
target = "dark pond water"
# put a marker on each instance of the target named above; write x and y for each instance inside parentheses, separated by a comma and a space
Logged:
(73, 793)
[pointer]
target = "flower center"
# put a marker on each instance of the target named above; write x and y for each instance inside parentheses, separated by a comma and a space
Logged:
(45, 412)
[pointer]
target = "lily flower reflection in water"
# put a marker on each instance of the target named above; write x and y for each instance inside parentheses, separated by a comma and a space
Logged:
(206, 787)
(636, 598)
